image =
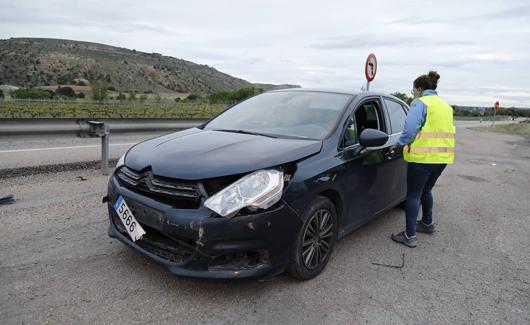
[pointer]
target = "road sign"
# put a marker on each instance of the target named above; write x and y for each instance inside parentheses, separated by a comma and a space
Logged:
(370, 69)
(497, 106)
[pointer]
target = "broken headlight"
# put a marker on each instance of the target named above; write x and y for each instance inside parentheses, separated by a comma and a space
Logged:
(258, 190)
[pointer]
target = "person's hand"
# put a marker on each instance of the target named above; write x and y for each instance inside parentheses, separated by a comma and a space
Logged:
(393, 149)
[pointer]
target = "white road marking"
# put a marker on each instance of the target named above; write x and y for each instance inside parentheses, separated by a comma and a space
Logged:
(66, 148)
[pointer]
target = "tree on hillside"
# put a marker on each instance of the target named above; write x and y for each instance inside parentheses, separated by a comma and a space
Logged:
(403, 97)
(234, 96)
(245, 93)
(99, 90)
(1, 94)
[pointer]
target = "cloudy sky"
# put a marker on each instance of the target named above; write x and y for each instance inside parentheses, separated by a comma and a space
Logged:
(480, 48)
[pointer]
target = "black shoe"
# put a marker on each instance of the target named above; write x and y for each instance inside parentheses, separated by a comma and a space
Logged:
(422, 227)
(404, 239)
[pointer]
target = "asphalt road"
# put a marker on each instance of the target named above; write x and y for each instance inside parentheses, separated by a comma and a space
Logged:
(58, 266)
(32, 150)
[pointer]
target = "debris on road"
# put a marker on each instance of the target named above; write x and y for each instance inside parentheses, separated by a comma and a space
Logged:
(81, 178)
(394, 266)
(7, 199)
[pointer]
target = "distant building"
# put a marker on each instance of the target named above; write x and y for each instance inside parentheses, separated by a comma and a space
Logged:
(81, 82)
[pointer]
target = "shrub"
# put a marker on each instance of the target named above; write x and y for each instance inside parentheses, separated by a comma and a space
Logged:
(31, 93)
(65, 92)
(99, 90)
(193, 97)
(80, 95)
(121, 96)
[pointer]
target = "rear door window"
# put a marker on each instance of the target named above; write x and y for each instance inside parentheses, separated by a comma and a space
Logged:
(396, 114)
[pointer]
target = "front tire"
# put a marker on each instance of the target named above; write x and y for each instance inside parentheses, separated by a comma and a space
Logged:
(315, 241)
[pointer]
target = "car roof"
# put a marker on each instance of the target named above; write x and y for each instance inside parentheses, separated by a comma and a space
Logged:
(335, 90)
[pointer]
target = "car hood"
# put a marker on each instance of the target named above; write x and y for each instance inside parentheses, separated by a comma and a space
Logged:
(199, 154)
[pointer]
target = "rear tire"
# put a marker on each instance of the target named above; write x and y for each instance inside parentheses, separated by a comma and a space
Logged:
(316, 240)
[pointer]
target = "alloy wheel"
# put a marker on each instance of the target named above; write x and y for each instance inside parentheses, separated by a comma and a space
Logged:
(317, 239)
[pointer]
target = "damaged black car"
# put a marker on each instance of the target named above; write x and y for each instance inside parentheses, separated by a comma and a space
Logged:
(268, 185)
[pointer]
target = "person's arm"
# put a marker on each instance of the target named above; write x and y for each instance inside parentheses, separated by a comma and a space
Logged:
(413, 123)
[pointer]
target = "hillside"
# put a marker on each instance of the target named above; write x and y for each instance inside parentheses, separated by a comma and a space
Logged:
(28, 62)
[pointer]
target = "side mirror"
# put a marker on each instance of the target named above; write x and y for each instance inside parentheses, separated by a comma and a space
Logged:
(372, 138)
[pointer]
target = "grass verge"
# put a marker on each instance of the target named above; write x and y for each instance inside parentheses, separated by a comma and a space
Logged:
(522, 128)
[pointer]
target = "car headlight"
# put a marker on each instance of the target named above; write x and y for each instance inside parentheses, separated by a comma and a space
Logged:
(121, 161)
(258, 190)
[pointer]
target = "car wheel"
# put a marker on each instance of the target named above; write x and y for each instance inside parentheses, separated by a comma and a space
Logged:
(316, 240)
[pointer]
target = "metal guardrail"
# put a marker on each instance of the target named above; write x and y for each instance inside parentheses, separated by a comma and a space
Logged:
(73, 126)
(85, 128)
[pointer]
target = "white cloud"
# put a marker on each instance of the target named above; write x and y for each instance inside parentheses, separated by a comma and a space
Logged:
(481, 49)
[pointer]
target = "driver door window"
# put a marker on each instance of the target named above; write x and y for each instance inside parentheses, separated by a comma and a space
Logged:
(366, 116)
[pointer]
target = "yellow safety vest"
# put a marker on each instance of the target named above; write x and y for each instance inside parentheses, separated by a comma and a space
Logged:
(435, 142)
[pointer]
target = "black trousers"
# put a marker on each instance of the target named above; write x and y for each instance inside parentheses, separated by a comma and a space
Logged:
(420, 181)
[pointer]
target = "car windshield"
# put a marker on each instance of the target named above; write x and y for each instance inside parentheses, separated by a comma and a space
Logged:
(304, 114)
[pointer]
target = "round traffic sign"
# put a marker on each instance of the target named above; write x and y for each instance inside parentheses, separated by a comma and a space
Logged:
(497, 105)
(370, 68)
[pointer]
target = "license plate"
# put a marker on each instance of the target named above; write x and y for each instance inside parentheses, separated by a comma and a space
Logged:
(132, 226)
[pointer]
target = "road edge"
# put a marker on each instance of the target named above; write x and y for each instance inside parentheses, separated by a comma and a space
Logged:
(52, 168)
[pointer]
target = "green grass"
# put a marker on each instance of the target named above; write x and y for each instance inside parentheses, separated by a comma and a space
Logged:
(478, 118)
(10, 109)
(516, 128)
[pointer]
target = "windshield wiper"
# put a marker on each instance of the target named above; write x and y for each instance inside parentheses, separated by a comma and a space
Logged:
(246, 132)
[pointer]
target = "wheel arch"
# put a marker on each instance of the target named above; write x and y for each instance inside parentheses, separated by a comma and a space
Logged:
(335, 198)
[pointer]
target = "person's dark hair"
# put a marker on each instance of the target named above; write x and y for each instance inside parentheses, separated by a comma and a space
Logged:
(427, 81)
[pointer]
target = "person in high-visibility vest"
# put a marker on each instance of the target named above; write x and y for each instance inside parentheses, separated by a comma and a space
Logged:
(428, 142)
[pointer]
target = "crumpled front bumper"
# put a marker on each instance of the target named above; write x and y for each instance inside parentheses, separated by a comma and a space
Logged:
(197, 243)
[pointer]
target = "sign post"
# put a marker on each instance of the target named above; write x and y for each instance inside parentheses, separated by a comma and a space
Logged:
(370, 69)
(495, 109)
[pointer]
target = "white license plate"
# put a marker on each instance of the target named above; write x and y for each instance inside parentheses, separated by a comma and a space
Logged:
(132, 226)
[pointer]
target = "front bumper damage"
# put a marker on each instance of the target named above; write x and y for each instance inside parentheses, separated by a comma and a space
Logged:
(197, 243)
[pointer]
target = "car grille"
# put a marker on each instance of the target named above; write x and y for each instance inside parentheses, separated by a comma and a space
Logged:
(182, 194)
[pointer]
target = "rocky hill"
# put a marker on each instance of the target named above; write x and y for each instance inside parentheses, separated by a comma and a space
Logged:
(29, 62)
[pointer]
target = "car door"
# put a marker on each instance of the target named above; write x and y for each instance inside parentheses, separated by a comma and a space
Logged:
(397, 113)
(366, 171)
